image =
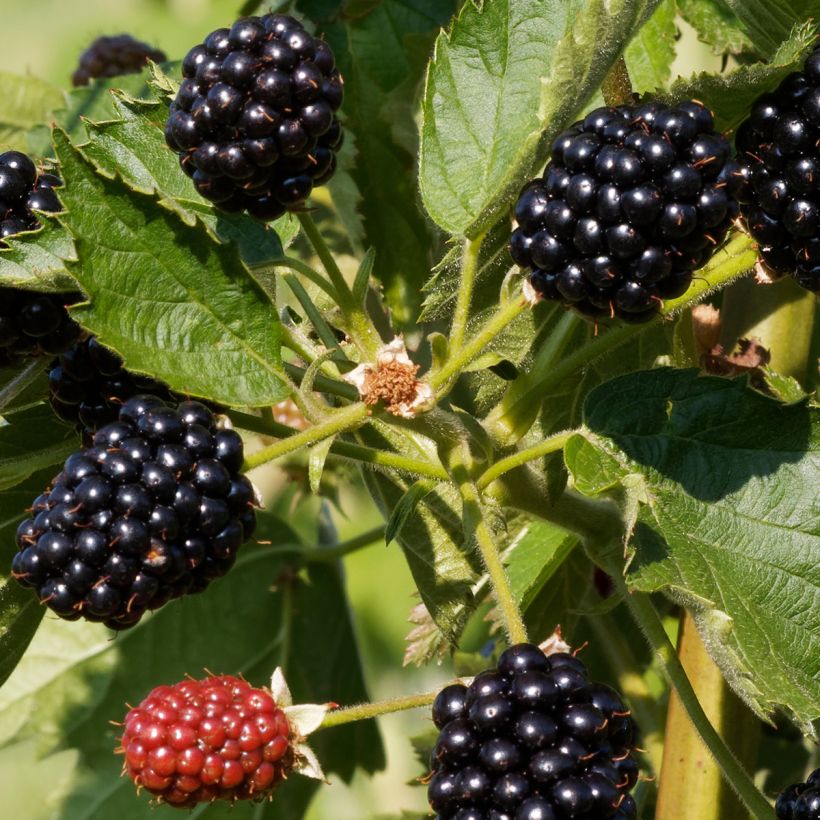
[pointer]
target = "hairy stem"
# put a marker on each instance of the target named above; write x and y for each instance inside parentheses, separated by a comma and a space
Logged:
(365, 539)
(647, 619)
(476, 528)
(617, 87)
(691, 782)
(341, 421)
(469, 265)
(441, 379)
(550, 445)
(364, 711)
(515, 414)
(344, 449)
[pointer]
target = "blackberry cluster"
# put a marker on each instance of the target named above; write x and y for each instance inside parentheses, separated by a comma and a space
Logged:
(33, 324)
(633, 201)
(801, 801)
(203, 740)
(781, 144)
(254, 121)
(155, 509)
(23, 190)
(532, 739)
(113, 56)
(88, 384)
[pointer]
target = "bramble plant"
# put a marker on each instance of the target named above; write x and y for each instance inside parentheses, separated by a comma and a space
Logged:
(490, 269)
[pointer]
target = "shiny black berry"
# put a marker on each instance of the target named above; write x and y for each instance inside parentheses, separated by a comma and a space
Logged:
(254, 121)
(800, 801)
(632, 197)
(778, 145)
(135, 520)
(532, 738)
(113, 56)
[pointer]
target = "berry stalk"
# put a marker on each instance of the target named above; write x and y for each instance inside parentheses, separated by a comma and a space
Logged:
(469, 266)
(365, 711)
(343, 420)
(343, 449)
(476, 528)
(552, 444)
(511, 419)
(441, 379)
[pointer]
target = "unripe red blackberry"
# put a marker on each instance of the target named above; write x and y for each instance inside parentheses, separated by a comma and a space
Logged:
(254, 122)
(204, 740)
(800, 801)
(633, 201)
(780, 143)
(88, 384)
(533, 739)
(154, 510)
(113, 56)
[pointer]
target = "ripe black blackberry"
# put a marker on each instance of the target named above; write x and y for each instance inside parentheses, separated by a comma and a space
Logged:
(155, 509)
(780, 142)
(633, 201)
(24, 190)
(113, 56)
(800, 801)
(254, 121)
(88, 384)
(532, 739)
(35, 324)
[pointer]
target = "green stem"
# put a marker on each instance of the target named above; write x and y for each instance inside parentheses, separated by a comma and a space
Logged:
(513, 417)
(469, 265)
(650, 624)
(550, 445)
(27, 376)
(341, 421)
(358, 325)
(617, 87)
(441, 379)
(364, 711)
(306, 270)
(345, 548)
(343, 449)
(476, 527)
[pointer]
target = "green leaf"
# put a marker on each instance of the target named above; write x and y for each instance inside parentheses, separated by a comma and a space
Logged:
(536, 553)
(503, 81)
(316, 463)
(36, 260)
(728, 522)
(650, 54)
(25, 102)
(171, 301)
(769, 22)
(730, 95)
(382, 57)
(31, 440)
(132, 146)
(716, 25)
(363, 274)
(20, 611)
(75, 679)
(406, 506)
(23, 386)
